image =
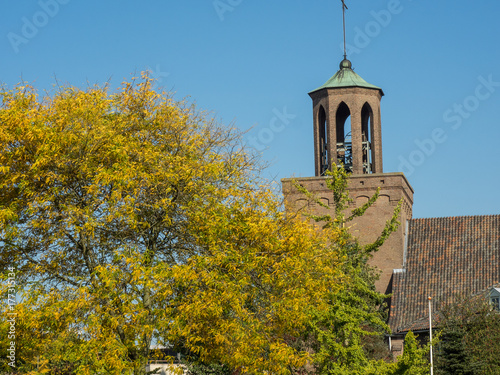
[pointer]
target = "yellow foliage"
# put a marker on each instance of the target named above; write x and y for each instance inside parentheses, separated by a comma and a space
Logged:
(132, 219)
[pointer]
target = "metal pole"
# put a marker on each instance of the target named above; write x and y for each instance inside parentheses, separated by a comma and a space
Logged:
(430, 332)
(344, 7)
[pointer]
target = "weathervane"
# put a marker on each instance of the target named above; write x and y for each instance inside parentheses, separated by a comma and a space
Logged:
(344, 7)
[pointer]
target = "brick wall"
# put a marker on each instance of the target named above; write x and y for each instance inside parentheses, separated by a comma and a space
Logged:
(394, 187)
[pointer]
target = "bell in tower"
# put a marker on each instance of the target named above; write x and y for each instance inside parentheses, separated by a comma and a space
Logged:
(347, 127)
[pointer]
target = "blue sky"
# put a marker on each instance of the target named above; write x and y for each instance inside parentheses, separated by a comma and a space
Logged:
(252, 63)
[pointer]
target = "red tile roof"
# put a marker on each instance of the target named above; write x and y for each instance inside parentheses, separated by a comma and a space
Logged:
(445, 257)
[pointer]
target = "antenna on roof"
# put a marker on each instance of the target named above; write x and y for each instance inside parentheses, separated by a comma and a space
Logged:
(344, 7)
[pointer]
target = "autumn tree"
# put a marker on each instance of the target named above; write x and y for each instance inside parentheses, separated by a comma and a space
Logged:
(98, 196)
(132, 219)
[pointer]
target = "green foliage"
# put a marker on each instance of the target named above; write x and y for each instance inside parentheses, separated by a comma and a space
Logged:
(342, 336)
(470, 338)
(414, 360)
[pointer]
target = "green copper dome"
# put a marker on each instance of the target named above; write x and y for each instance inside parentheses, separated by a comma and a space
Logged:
(346, 77)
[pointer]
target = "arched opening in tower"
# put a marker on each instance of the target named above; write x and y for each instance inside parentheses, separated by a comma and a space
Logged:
(344, 140)
(323, 141)
(366, 137)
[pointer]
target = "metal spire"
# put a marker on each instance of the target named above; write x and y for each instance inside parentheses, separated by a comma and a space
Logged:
(344, 7)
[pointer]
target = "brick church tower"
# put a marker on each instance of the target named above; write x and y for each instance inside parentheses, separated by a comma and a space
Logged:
(347, 130)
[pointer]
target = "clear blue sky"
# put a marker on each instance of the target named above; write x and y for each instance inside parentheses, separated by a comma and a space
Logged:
(252, 62)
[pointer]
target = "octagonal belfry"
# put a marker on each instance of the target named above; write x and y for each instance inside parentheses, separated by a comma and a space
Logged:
(357, 143)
